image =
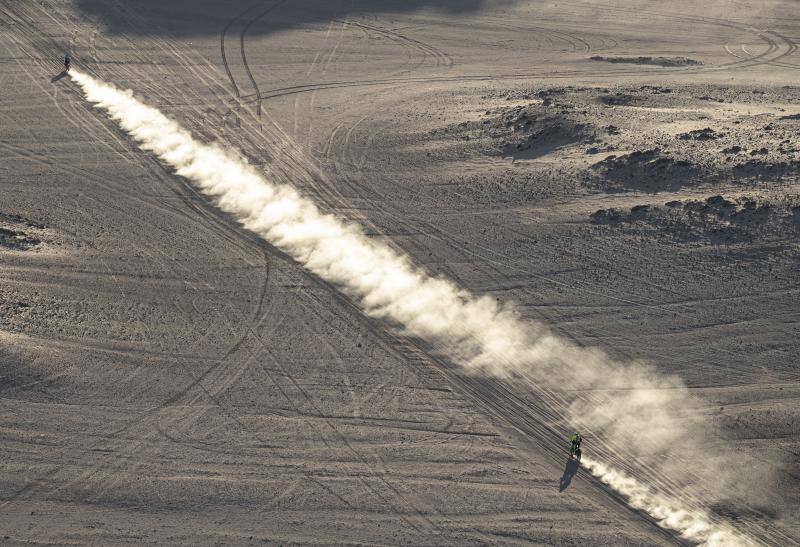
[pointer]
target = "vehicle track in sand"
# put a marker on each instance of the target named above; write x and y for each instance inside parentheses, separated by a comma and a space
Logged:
(770, 50)
(372, 195)
(336, 201)
(778, 47)
(243, 50)
(791, 51)
(440, 57)
(560, 451)
(381, 473)
(197, 382)
(499, 264)
(180, 394)
(547, 434)
(215, 221)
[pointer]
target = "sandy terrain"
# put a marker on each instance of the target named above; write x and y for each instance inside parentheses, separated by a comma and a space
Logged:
(627, 173)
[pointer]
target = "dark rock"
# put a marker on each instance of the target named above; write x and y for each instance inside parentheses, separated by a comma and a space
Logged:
(639, 211)
(705, 134)
(606, 216)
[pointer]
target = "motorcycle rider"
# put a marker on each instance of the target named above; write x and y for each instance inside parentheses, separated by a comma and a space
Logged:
(67, 62)
(575, 444)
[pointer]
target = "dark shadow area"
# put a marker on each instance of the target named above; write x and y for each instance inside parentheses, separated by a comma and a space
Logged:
(183, 18)
(569, 471)
(57, 77)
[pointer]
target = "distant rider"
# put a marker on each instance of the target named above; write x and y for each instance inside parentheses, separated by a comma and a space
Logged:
(575, 444)
(67, 62)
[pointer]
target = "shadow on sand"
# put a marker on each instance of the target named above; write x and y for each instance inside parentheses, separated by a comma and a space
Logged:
(184, 18)
(57, 77)
(569, 471)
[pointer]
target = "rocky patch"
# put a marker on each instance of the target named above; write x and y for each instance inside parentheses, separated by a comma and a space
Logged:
(648, 170)
(717, 220)
(17, 240)
(619, 99)
(656, 61)
(15, 232)
(705, 134)
(759, 168)
(645, 138)
(526, 132)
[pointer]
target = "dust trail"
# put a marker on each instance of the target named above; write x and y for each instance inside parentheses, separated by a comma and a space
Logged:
(643, 412)
(670, 513)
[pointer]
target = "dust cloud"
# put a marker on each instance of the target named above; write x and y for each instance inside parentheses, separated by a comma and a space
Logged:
(622, 408)
(693, 524)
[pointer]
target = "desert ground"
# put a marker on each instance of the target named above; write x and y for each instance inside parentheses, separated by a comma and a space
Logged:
(626, 172)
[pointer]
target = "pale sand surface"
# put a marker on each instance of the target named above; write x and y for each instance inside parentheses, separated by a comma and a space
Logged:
(168, 377)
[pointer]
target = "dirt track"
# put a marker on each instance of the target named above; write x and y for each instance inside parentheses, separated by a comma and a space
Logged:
(169, 377)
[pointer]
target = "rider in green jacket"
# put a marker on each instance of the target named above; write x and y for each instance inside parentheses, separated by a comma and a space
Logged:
(575, 444)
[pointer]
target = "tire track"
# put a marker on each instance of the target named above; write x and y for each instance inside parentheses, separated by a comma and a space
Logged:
(441, 58)
(335, 199)
(222, 53)
(243, 51)
(301, 391)
(207, 372)
(762, 58)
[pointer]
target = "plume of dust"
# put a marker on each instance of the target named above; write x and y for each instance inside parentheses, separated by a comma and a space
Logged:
(476, 332)
(692, 524)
